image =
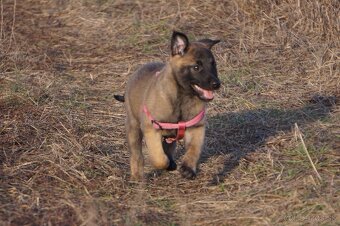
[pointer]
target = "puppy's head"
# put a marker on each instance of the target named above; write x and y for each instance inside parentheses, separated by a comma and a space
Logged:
(194, 65)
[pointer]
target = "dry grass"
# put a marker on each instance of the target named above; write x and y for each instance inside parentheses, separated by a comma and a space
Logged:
(63, 154)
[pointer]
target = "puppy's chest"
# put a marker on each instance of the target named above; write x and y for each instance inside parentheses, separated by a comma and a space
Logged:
(183, 110)
(169, 133)
(176, 117)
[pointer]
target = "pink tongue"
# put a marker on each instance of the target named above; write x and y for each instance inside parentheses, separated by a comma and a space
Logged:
(207, 94)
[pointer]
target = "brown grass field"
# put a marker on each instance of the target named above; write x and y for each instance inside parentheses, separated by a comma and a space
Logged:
(63, 154)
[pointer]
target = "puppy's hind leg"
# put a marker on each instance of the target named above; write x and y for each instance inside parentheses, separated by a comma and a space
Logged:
(134, 139)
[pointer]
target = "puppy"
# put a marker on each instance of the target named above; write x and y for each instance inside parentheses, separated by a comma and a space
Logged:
(166, 102)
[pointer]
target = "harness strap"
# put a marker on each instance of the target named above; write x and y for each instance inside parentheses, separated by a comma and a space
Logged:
(180, 126)
(181, 130)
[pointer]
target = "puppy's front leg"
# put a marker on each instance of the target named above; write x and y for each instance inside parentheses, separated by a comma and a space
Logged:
(153, 139)
(169, 150)
(194, 140)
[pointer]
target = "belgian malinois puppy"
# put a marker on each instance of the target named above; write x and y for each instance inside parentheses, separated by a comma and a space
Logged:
(166, 102)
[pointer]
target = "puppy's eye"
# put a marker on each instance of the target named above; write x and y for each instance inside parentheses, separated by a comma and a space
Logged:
(196, 67)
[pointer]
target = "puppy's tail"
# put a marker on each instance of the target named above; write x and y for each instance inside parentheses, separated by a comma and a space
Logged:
(120, 98)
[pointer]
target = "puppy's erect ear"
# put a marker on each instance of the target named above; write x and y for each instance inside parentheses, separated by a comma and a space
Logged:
(208, 42)
(179, 43)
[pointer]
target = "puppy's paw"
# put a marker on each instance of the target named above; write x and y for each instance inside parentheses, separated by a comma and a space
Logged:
(172, 165)
(187, 172)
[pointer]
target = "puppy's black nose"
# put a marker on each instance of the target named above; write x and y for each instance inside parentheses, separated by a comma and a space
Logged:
(215, 84)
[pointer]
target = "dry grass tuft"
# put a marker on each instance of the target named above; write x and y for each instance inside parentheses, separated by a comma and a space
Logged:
(62, 141)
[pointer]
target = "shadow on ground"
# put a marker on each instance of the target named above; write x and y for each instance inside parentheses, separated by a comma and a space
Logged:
(237, 134)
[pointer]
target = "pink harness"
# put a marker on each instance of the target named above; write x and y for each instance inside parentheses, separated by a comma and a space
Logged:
(180, 126)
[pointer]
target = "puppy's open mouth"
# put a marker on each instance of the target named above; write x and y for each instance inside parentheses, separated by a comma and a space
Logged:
(203, 93)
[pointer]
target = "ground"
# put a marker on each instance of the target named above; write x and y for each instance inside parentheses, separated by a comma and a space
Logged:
(63, 153)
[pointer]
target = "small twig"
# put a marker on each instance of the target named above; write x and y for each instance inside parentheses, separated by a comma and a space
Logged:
(12, 38)
(179, 9)
(298, 132)
(2, 20)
